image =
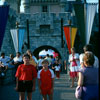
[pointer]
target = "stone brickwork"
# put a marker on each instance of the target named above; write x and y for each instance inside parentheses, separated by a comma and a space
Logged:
(40, 33)
(44, 27)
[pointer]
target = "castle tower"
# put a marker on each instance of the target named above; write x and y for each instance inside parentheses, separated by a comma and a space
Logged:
(25, 6)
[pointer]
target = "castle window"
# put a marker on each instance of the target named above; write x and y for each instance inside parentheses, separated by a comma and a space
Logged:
(44, 9)
(44, 29)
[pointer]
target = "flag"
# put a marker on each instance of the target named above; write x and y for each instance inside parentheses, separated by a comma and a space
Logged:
(91, 10)
(4, 10)
(80, 16)
(68, 38)
(85, 14)
(18, 38)
(73, 35)
(14, 34)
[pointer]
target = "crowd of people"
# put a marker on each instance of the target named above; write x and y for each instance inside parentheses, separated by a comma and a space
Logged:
(28, 68)
(84, 68)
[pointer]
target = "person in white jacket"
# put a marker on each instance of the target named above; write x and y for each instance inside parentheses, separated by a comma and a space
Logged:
(86, 48)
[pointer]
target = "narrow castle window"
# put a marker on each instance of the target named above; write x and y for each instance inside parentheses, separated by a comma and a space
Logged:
(44, 9)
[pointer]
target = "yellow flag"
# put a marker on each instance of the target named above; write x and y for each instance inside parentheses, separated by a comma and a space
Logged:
(73, 35)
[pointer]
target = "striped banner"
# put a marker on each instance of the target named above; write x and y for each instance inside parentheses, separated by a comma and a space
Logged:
(85, 14)
(70, 34)
(18, 38)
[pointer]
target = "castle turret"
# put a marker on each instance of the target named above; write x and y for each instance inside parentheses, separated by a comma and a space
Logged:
(25, 6)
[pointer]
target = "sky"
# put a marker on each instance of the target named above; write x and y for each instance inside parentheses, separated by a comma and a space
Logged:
(92, 1)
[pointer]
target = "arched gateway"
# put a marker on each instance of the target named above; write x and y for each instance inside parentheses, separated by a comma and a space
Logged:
(44, 21)
(45, 47)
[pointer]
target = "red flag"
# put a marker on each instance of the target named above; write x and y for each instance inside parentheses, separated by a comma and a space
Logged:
(68, 38)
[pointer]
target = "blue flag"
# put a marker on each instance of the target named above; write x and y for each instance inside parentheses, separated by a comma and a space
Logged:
(4, 9)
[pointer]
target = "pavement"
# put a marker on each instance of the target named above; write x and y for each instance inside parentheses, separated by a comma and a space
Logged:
(62, 90)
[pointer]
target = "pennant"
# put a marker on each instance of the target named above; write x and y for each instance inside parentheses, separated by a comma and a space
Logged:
(18, 38)
(68, 38)
(90, 14)
(73, 35)
(85, 14)
(21, 39)
(80, 16)
(14, 34)
(4, 10)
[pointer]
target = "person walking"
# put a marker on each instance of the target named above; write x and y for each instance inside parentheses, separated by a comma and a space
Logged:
(74, 65)
(56, 68)
(88, 47)
(89, 78)
(32, 61)
(25, 78)
(46, 80)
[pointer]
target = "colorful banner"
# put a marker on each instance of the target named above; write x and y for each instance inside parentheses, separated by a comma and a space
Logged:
(79, 13)
(68, 38)
(73, 35)
(18, 38)
(85, 13)
(4, 10)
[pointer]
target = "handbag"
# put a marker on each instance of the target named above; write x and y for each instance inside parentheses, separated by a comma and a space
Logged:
(78, 92)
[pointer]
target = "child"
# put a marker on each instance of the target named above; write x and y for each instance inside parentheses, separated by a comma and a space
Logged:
(46, 80)
(25, 78)
(57, 70)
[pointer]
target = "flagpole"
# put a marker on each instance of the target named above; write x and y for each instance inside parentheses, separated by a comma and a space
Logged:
(70, 32)
(28, 40)
(17, 36)
(62, 45)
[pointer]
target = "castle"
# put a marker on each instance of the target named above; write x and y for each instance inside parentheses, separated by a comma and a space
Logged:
(44, 18)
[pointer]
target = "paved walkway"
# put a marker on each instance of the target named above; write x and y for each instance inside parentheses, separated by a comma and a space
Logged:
(62, 90)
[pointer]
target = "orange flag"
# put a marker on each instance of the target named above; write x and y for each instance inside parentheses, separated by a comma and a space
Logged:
(68, 38)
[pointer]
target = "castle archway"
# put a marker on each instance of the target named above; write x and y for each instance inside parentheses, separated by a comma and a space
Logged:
(44, 47)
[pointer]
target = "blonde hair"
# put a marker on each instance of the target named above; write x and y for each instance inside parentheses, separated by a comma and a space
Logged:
(89, 58)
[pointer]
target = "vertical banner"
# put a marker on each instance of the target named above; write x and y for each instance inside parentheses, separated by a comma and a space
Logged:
(14, 34)
(18, 38)
(80, 16)
(90, 14)
(85, 13)
(68, 38)
(21, 39)
(4, 10)
(73, 35)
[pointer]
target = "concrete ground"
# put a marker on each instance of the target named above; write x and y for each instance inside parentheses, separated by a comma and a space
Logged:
(62, 90)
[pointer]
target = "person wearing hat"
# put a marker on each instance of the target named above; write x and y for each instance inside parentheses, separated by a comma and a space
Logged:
(46, 80)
